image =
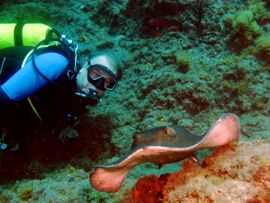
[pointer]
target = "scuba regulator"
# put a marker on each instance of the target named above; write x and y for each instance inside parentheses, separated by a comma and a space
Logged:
(92, 96)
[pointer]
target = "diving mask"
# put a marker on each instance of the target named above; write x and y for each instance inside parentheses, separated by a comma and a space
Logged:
(101, 77)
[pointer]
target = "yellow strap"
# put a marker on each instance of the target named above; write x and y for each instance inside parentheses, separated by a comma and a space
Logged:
(28, 98)
(34, 108)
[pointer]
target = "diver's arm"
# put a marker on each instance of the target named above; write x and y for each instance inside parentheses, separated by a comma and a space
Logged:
(27, 80)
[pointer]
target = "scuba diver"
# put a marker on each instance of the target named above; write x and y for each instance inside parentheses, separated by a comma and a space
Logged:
(42, 83)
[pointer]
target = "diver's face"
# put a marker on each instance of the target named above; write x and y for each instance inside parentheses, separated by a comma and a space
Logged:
(83, 85)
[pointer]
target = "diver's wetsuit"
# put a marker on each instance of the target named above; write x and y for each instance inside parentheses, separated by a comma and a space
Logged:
(26, 81)
(51, 102)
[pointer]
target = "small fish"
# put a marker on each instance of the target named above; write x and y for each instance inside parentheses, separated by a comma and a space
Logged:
(163, 145)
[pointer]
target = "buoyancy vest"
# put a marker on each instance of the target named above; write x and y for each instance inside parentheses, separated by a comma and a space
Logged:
(21, 34)
(12, 57)
(11, 60)
(18, 39)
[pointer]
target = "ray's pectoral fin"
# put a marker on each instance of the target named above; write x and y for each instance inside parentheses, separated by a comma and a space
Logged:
(137, 139)
(108, 179)
(223, 131)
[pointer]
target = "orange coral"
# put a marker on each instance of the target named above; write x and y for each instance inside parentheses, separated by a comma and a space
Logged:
(179, 178)
(236, 172)
(148, 189)
(262, 178)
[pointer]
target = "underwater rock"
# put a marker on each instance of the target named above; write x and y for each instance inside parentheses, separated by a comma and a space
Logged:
(157, 15)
